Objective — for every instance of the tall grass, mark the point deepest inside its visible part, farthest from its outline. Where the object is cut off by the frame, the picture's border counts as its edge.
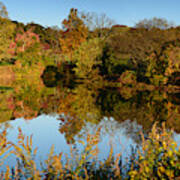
(158, 158)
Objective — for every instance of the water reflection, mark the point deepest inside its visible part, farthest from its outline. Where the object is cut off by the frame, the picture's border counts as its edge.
(112, 133)
(78, 108)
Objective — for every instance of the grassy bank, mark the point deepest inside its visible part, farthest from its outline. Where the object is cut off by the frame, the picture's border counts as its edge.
(158, 158)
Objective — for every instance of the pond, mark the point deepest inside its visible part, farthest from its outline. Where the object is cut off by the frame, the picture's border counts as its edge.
(64, 113)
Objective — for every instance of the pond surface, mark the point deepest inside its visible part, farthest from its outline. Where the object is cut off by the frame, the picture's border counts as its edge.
(63, 114)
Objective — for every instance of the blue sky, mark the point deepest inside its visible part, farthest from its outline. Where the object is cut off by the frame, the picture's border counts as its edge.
(128, 12)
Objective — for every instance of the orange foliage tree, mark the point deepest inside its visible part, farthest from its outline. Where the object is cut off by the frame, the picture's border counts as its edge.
(75, 32)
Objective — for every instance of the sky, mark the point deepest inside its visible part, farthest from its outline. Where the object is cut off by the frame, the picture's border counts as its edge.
(126, 12)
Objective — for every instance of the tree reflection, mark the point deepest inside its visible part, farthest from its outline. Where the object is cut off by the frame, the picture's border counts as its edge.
(79, 104)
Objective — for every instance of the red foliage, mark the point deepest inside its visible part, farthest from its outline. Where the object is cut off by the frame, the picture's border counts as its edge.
(119, 26)
(46, 46)
(23, 41)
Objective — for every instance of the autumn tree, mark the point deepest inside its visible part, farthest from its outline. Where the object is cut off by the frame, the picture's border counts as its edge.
(26, 47)
(25, 40)
(49, 36)
(131, 49)
(162, 67)
(75, 32)
(7, 29)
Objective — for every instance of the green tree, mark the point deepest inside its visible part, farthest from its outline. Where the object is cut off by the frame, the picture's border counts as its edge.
(88, 58)
(7, 29)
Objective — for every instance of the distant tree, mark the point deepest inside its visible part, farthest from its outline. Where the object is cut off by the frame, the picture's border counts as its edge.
(99, 25)
(95, 21)
(3, 11)
(154, 23)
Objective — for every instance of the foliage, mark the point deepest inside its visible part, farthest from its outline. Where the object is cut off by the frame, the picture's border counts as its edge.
(143, 107)
(158, 158)
(75, 32)
(5, 146)
(7, 29)
(26, 48)
(128, 78)
(25, 40)
(29, 96)
(96, 50)
(146, 52)
(87, 59)
(161, 67)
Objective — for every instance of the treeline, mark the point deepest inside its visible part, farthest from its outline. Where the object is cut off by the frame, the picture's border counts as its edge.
(92, 48)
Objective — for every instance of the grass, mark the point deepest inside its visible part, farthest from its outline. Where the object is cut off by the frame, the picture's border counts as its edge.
(158, 158)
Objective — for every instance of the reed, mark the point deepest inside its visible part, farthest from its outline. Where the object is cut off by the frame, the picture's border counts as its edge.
(157, 158)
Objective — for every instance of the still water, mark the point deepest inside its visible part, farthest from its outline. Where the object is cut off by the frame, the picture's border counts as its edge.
(65, 113)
